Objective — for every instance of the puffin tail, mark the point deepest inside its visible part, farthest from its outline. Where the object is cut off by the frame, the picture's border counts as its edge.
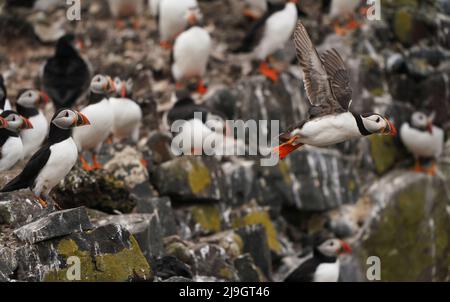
(285, 149)
(14, 185)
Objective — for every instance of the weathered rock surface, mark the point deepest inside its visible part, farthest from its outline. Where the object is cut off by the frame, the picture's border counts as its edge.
(163, 206)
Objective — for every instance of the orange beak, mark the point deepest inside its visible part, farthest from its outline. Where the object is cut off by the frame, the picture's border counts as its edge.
(285, 149)
(192, 19)
(3, 123)
(44, 97)
(250, 14)
(112, 86)
(345, 248)
(430, 127)
(392, 130)
(26, 124)
(82, 120)
(123, 91)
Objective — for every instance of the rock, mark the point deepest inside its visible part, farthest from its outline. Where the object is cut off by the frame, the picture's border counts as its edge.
(242, 183)
(144, 227)
(163, 206)
(108, 253)
(168, 267)
(190, 178)
(408, 228)
(8, 263)
(246, 269)
(206, 219)
(180, 249)
(55, 225)
(212, 261)
(178, 279)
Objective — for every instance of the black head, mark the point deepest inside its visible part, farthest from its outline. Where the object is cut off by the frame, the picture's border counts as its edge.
(65, 47)
(330, 247)
(15, 122)
(3, 92)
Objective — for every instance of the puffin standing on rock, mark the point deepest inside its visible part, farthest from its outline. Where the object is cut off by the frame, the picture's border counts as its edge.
(327, 85)
(10, 143)
(4, 102)
(101, 116)
(423, 140)
(191, 52)
(324, 265)
(127, 114)
(27, 105)
(54, 160)
(65, 77)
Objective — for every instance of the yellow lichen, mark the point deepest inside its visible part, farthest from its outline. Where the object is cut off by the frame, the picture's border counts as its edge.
(208, 217)
(198, 177)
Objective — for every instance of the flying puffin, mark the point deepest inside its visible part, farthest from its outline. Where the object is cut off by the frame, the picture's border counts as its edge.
(27, 105)
(271, 33)
(191, 52)
(10, 143)
(323, 265)
(127, 115)
(48, 166)
(65, 77)
(327, 86)
(172, 19)
(4, 102)
(423, 139)
(126, 9)
(101, 116)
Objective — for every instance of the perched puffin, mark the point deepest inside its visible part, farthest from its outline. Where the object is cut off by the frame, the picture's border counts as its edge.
(323, 265)
(54, 160)
(121, 9)
(327, 85)
(423, 140)
(271, 33)
(172, 19)
(191, 52)
(4, 102)
(65, 76)
(127, 115)
(27, 105)
(101, 116)
(343, 11)
(10, 143)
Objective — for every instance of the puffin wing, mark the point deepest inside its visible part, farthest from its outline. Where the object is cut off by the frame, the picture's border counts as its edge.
(316, 80)
(304, 272)
(338, 77)
(27, 177)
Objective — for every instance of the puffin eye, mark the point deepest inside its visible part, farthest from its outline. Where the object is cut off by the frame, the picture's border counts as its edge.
(378, 120)
(67, 114)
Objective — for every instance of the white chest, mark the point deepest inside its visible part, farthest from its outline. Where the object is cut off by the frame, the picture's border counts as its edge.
(422, 143)
(11, 153)
(327, 272)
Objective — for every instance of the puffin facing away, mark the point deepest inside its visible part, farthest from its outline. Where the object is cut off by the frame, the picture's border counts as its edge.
(323, 266)
(327, 85)
(191, 52)
(423, 140)
(172, 19)
(65, 76)
(11, 147)
(4, 102)
(27, 105)
(101, 116)
(127, 115)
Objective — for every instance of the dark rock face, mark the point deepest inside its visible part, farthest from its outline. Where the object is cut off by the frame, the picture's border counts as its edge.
(169, 267)
(247, 270)
(55, 225)
(163, 206)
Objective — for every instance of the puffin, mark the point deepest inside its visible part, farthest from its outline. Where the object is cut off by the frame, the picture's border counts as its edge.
(27, 105)
(50, 164)
(11, 147)
(101, 116)
(65, 77)
(270, 34)
(323, 265)
(127, 114)
(191, 52)
(255, 9)
(4, 102)
(172, 19)
(343, 11)
(126, 9)
(327, 85)
(422, 139)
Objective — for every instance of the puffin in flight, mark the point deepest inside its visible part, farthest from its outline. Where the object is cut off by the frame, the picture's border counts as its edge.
(191, 52)
(54, 160)
(423, 140)
(323, 265)
(65, 77)
(101, 116)
(270, 34)
(11, 147)
(27, 105)
(172, 19)
(4, 102)
(327, 86)
(127, 114)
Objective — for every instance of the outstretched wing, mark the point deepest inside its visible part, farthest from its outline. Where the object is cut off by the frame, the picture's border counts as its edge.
(316, 81)
(338, 77)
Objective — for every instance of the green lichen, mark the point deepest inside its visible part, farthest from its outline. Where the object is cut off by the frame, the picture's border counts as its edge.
(284, 169)
(403, 23)
(198, 177)
(125, 265)
(208, 217)
(384, 152)
(260, 217)
(377, 91)
(226, 273)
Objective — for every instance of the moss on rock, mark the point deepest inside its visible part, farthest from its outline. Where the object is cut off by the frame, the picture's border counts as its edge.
(208, 217)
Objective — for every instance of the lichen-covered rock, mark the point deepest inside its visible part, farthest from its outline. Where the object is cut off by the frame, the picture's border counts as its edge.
(108, 253)
(206, 218)
(246, 269)
(56, 224)
(212, 261)
(168, 267)
(163, 206)
(190, 178)
(145, 228)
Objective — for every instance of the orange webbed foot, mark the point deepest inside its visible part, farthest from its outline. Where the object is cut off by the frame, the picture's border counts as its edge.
(201, 87)
(268, 72)
(288, 147)
(42, 202)
(96, 164)
(165, 45)
(84, 164)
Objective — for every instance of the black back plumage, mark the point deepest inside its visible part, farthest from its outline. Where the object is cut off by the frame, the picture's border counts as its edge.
(3, 93)
(66, 75)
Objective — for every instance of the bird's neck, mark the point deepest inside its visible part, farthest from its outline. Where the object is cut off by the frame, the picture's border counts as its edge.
(359, 122)
(64, 49)
(8, 133)
(57, 135)
(27, 112)
(322, 258)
